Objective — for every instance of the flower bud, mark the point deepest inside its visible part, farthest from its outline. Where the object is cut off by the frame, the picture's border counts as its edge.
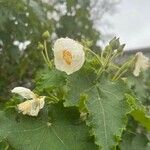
(107, 50)
(121, 47)
(40, 46)
(114, 43)
(46, 35)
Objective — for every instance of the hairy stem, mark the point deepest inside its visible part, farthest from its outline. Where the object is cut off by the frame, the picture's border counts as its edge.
(97, 57)
(45, 59)
(46, 54)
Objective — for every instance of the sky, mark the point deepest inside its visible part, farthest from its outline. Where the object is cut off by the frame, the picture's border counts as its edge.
(131, 23)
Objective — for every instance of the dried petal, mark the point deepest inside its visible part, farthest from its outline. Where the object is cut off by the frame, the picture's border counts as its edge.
(142, 63)
(24, 92)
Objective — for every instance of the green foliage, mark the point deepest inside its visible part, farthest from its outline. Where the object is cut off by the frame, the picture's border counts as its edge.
(27, 20)
(52, 84)
(103, 104)
(56, 128)
(107, 112)
(141, 116)
(50, 79)
(20, 20)
(77, 23)
(138, 112)
(92, 108)
(139, 88)
(4, 145)
(134, 142)
(77, 84)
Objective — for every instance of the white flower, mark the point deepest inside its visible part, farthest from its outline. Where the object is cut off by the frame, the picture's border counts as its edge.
(142, 63)
(69, 55)
(32, 105)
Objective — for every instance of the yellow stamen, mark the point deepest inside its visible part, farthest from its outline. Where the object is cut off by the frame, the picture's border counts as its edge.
(67, 56)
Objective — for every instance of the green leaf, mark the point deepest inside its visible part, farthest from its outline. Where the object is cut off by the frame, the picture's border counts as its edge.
(77, 84)
(139, 87)
(51, 83)
(58, 128)
(141, 116)
(4, 145)
(82, 104)
(138, 112)
(134, 142)
(107, 112)
(50, 79)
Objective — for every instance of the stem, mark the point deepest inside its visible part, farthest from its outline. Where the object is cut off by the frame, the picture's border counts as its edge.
(124, 71)
(113, 56)
(45, 59)
(120, 71)
(46, 54)
(114, 66)
(53, 97)
(102, 54)
(100, 62)
(104, 66)
(123, 68)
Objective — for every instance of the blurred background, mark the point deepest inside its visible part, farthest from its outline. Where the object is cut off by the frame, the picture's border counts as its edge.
(22, 23)
(131, 23)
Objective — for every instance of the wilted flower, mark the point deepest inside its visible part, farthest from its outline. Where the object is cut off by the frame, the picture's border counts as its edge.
(69, 55)
(142, 63)
(32, 105)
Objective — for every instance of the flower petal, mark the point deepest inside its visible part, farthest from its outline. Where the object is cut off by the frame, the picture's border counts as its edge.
(24, 92)
(25, 107)
(29, 107)
(41, 101)
(74, 50)
(142, 63)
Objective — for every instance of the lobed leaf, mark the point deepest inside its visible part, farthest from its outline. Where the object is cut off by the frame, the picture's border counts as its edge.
(139, 112)
(107, 112)
(60, 129)
(77, 84)
(50, 79)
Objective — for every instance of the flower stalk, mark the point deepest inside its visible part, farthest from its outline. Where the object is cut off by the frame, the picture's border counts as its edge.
(46, 55)
(108, 59)
(45, 58)
(96, 56)
(123, 69)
